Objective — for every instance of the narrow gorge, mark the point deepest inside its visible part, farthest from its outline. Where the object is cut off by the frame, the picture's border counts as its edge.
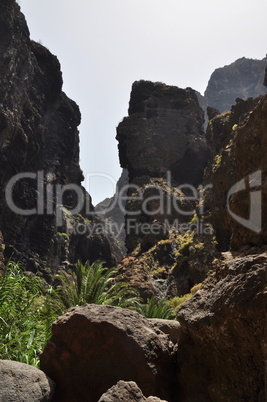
(193, 202)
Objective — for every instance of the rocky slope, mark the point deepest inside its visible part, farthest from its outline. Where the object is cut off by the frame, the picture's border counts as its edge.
(39, 138)
(240, 79)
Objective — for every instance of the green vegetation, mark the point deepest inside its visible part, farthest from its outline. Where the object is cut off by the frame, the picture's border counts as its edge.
(211, 129)
(186, 242)
(216, 162)
(177, 301)
(234, 127)
(25, 319)
(92, 284)
(28, 309)
(157, 309)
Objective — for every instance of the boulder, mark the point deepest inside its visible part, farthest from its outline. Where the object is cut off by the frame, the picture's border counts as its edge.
(222, 345)
(127, 391)
(23, 383)
(106, 344)
(169, 327)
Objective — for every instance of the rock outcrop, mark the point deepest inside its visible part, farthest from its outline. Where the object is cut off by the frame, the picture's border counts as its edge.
(222, 345)
(162, 144)
(21, 382)
(249, 201)
(127, 391)
(106, 344)
(224, 324)
(39, 158)
(164, 132)
(221, 172)
(265, 77)
(240, 79)
(112, 210)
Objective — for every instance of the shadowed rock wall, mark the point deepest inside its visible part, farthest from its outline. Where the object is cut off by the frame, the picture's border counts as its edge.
(38, 133)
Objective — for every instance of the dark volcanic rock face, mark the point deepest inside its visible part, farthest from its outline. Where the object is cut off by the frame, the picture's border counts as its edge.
(162, 144)
(39, 136)
(221, 171)
(222, 346)
(265, 77)
(249, 201)
(164, 131)
(241, 79)
(112, 210)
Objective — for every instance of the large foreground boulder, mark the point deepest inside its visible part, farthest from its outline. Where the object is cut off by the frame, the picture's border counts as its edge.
(127, 391)
(93, 347)
(222, 346)
(20, 382)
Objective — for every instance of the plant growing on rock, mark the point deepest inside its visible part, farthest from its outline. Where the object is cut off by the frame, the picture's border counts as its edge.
(157, 309)
(92, 284)
(177, 301)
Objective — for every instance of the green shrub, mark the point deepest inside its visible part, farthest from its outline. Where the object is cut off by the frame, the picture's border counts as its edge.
(157, 309)
(24, 324)
(177, 301)
(92, 284)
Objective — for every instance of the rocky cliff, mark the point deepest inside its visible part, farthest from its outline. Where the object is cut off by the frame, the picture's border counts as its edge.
(112, 210)
(39, 158)
(164, 132)
(216, 234)
(223, 325)
(221, 171)
(240, 79)
(163, 146)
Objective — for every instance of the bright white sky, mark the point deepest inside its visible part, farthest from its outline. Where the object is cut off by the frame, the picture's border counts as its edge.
(105, 45)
